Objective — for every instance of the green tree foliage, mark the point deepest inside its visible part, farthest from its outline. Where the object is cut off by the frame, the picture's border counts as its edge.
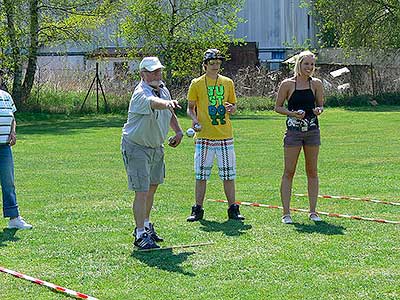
(179, 31)
(358, 23)
(25, 26)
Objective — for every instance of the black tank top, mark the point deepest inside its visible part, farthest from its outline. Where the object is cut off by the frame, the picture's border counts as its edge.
(304, 100)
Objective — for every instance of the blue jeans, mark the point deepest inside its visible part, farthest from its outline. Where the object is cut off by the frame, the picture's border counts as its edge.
(10, 206)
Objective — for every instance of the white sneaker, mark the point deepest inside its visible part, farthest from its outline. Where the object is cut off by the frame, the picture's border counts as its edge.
(287, 219)
(314, 217)
(18, 223)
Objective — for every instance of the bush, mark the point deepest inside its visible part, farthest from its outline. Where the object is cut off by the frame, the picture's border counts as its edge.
(362, 100)
(389, 99)
(344, 100)
(255, 103)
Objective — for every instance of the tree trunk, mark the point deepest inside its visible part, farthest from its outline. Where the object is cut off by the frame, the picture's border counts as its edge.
(168, 69)
(15, 51)
(33, 51)
(169, 46)
(22, 86)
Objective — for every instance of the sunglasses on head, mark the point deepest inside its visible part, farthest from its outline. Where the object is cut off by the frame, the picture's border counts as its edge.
(214, 62)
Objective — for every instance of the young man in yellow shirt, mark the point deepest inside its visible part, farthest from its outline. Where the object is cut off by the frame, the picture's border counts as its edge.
(212, 100)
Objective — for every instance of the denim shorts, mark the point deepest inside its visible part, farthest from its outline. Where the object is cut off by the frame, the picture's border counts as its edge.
(299, 138)
(143, 165)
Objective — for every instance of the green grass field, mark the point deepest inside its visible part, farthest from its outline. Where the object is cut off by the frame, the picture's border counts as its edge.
(71, 186)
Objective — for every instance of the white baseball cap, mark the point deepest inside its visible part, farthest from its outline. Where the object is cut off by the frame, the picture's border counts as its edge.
(150, 64)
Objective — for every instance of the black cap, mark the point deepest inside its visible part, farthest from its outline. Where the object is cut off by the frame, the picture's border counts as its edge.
(212, 54)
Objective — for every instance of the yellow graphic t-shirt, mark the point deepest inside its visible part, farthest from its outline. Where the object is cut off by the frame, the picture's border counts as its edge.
(210, 96)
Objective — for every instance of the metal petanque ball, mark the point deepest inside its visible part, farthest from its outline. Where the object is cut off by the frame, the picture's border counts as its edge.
(171, 141)
(197, 127)
(190, 132)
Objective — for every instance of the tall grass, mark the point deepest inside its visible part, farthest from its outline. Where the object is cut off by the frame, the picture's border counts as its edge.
(52, 100)
(48, 100)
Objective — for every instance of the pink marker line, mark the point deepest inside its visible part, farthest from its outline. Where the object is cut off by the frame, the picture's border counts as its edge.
(352, 198)
(47, 284)
(306, 211)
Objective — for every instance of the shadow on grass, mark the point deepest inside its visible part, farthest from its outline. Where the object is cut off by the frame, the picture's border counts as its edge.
(164, 260)
(8, 235)
(63, 124)
(229, 227)
(320, 227)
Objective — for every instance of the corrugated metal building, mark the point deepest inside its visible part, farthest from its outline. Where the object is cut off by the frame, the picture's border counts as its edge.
(274, 25)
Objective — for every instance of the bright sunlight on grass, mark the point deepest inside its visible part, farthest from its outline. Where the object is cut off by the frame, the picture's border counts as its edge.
(71, 185)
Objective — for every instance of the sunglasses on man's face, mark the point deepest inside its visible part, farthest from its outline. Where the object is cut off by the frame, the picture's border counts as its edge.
(214, 62)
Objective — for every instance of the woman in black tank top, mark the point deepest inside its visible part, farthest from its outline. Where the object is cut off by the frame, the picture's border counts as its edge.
(303, 100)
(304, 96)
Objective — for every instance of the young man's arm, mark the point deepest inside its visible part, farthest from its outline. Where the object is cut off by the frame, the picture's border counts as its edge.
(191, 112)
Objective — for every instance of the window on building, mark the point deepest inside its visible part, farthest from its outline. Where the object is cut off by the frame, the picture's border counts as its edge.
(278, 55)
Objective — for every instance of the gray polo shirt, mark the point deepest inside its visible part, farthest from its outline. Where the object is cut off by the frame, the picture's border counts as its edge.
(146, 126)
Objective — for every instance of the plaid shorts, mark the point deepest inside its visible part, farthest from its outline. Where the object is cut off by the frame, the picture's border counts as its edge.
(205, 152)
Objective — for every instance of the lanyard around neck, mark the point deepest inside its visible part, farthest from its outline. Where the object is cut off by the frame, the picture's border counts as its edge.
(215, 84)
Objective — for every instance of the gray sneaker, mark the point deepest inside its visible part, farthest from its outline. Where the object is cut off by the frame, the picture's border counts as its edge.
(18, 223)
(287, 219)
(314, 217)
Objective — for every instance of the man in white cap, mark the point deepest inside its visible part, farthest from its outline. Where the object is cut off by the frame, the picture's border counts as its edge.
(150, 114)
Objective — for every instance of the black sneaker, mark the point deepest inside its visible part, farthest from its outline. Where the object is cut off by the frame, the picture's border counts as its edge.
(145, 242)
(197, 213)
(234, 213)
(153, 234)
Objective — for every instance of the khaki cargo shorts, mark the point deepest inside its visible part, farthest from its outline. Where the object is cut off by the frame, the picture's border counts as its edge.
(143, 165)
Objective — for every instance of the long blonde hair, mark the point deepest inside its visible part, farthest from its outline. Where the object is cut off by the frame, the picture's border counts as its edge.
(299, 59)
